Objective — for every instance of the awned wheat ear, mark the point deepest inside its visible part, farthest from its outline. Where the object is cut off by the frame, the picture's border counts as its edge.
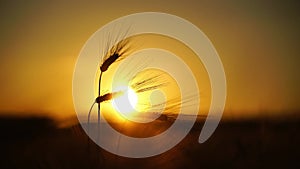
(117, 52)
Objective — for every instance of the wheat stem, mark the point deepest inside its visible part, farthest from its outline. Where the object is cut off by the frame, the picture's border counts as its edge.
(99, 94)
(89, 115)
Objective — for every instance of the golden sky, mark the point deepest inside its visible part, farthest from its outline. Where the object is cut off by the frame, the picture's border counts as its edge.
(256, 41)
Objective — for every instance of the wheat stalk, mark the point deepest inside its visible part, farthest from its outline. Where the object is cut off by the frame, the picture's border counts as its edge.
(117, 52)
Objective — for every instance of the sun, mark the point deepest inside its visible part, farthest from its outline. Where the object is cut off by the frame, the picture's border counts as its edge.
(126, 102)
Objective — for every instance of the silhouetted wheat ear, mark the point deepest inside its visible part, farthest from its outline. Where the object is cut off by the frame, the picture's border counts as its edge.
(108, 62)
(116, 52)
(108, 96)
(103, 98)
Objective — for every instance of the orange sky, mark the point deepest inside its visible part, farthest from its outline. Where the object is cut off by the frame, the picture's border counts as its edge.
(257, 42)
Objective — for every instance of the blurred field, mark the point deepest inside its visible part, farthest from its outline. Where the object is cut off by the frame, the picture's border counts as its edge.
(37, 143)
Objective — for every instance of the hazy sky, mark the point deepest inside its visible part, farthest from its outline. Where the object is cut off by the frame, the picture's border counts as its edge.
(258, 42)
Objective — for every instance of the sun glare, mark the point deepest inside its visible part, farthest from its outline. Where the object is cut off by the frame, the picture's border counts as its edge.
(132, 97)
(126, 103)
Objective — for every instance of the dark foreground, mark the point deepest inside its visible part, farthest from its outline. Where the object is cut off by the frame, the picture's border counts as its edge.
(37, 143)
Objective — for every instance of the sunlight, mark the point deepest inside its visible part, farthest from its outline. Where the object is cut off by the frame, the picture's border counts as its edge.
(126, 103)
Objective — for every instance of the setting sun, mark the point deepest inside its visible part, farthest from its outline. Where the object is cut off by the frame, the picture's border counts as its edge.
(126, 103)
